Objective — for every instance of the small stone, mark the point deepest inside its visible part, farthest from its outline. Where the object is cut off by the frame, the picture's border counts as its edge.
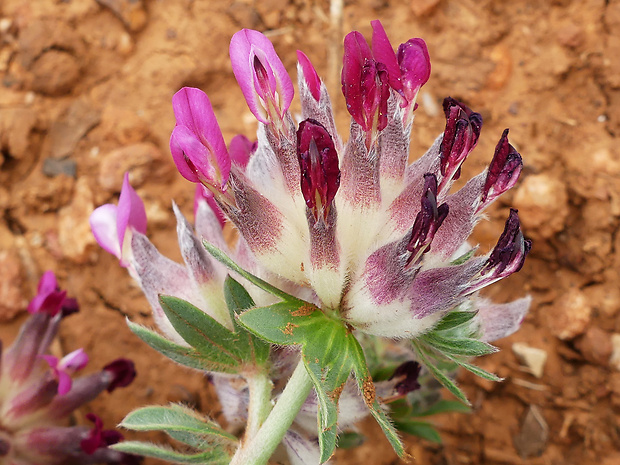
(532, 438)
(17, 126)
(595, 346)
(142, 161)
(571, 36)
(12, 300)
(570, 315)
(74, 234)
(55, 73)
(53, 167)
(532, 357)
(131, 12)
(65, 133)
(542, 202)
(244, 15)
(614, 360)
(423, 7)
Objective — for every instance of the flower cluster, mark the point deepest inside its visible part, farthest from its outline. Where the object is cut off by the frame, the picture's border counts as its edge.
(375, 244)
(38, 392)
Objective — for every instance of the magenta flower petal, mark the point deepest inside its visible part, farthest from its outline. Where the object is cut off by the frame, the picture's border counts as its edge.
(356, 53)
(103, 226)
(261, 75)
(130, 214)
(74, 361)
(197, 144)
(205, 195)
(384, 53)
(241, 149)
(310, 75)
(415, 67)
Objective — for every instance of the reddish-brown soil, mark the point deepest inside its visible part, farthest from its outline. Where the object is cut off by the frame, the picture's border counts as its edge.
(85, 95)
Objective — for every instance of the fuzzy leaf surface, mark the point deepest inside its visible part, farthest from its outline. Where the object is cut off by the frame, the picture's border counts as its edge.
(181, 423)
(217, 456)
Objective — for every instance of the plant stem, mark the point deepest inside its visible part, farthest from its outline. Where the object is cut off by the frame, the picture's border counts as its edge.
(261, 446)
(260, 386)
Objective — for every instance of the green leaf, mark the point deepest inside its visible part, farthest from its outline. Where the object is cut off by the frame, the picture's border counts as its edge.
(454, 319)
(181, 423)
(350, 440)
(444, 380)
(443, 406)
(238, 300)
(220, 256)
(330, 353)
(421, 429)
(458, 346)
(217, 456)
(463, 258)
(184, 355)
(212, 340)
(476, 370)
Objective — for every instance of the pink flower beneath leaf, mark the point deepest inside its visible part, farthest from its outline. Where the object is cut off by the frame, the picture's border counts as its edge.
(196, 143)
(266, 86)
(113, 225)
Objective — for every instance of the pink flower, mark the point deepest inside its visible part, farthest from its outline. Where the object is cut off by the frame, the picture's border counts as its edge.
(66, 367)
(196, 143)
(266, 86)
(113, 225)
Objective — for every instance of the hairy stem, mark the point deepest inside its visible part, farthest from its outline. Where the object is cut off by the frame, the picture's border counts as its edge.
(258, 449)
(260, 402)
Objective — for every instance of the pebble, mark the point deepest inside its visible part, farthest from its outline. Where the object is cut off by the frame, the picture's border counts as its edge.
(595, 346)
(74, 234)
(532, 357)
(542, 202)
(53, 167)
(12, 300)
(532, 438)
(131, 12)
(66, 132)
(570, 315)
(141, 160)
(55, 73)
(614, 360)
(423, 7)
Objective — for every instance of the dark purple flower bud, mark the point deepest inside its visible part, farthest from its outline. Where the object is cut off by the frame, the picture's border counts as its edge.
(98, 437)
(408, 372)
(509, 254)
(124, 372)
(427, 222)
(459, 138)
(318, 161)
(69, 306)
(503, 172)
(364, 84)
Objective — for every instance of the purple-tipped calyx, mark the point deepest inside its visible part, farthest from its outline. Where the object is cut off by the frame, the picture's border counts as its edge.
(196, 143)
(459, 139)
(266, 86)
(318, 161)
(503, 172)
(123, 371)
(409, 69)
(509, 254)
(310, 75)
(51, 299)
(67, 366)
(427, 221)
(364, 84)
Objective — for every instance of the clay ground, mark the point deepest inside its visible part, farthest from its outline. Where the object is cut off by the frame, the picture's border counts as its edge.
(85, 95)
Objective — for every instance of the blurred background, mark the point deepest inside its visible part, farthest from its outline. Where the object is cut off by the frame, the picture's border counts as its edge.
(85, 96)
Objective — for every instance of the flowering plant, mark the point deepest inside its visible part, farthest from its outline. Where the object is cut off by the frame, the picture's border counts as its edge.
(38, 393)
(353, 262)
